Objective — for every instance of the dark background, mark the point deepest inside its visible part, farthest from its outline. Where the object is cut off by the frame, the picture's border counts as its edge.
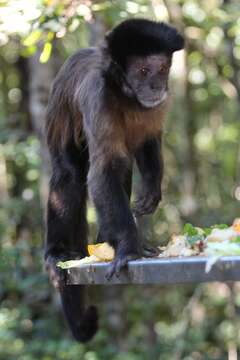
(201, 183)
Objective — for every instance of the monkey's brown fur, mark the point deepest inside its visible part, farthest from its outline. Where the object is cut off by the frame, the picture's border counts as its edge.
(104, 112)
(121, 136)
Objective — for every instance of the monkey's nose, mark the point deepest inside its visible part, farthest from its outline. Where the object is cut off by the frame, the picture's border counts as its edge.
(155, 86)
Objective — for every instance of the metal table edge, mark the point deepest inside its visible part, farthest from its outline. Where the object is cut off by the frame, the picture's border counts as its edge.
(162, 271)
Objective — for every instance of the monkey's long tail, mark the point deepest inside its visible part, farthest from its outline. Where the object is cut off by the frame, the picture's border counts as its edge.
(83, 322)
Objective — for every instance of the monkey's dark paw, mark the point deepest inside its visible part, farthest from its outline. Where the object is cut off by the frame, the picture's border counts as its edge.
(119, 263)
(149, 251)
(55, 274)
(147, 203)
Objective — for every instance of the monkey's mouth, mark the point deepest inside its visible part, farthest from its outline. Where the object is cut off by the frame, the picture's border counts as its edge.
(154, 102)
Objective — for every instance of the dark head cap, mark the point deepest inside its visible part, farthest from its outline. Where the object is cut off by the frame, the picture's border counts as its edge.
(142, 37)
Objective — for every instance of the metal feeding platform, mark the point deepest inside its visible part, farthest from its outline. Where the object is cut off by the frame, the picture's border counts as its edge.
(161, 271)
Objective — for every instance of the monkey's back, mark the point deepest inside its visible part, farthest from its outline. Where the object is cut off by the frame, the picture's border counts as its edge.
(64, 117)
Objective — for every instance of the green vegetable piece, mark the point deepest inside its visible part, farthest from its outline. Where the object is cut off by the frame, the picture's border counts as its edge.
(236, 239)
(189, 230)
(220, 226)
(67, 264)
(192, 240)
(207, 231)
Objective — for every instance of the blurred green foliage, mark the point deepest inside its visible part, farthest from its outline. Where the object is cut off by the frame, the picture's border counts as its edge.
(201, 185)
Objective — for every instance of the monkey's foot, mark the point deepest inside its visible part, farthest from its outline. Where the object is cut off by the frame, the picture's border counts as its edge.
(55, 274)
(119, 263)
(149, 251)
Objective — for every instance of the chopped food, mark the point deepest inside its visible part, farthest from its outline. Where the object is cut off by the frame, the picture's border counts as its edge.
(178, 247)
(221, 235)
(236, 225)
(75, 263)
(98, 253)
(216, 241)
(222, 249)
(102, 251)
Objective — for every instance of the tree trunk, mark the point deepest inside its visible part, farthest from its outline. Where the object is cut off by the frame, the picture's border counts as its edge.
(40, 80)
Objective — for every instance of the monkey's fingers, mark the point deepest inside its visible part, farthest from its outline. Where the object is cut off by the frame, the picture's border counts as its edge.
(145, 205)
(56, 275)
(149, 251)
(118, 264)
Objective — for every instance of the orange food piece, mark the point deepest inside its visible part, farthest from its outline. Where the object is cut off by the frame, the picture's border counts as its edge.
(92, 248)
(237, 228)
(236, 225)
(103, 251)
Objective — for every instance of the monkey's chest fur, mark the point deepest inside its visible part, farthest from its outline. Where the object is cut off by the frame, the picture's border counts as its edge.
(130, 129)
(138, 126)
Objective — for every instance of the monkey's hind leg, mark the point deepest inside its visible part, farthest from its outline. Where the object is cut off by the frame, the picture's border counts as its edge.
(67, 239)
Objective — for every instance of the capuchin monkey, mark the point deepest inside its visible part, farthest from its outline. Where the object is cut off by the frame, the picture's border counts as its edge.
(105, 110)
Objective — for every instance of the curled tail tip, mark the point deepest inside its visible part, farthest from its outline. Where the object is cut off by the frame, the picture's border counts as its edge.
(88, 326)
(82, 323)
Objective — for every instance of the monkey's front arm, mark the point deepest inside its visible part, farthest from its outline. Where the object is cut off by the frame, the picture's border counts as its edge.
(150, 163)
(116, 222)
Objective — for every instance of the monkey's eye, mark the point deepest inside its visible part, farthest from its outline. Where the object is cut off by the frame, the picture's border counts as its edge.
(163, 68)
(144, 71)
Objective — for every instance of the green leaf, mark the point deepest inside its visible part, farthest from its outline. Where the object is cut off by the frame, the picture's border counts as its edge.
(236, 239)
(46, 53)
(28, 51)
(190, 230)
(33, 38)
(220, 226)
(50, 36)
(207, 231)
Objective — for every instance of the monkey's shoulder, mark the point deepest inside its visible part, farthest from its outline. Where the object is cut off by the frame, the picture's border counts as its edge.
(76, 67)
(83, 58)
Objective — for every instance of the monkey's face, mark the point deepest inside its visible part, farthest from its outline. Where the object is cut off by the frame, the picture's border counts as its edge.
(148, 78)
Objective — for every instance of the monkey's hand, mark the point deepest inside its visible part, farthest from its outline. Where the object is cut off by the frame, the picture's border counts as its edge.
(149, 251)
(147, 202)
